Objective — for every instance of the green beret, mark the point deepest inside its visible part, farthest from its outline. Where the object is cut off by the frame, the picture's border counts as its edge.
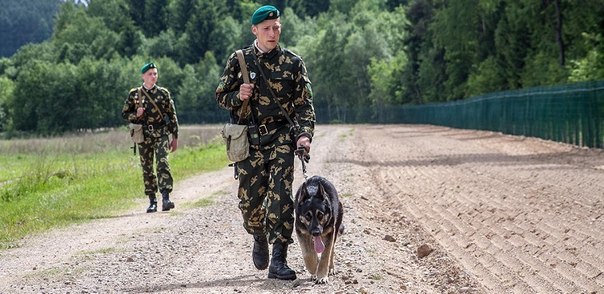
(147, 66)
(263, 13)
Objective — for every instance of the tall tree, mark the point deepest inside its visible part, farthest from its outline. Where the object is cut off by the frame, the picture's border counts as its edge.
(455, 30)
(308, 8)
(558, 29)
(23, 22)
(330, 79)
(584, 30)
(155, 17)
(419, 14)
(75, 43)
(43, 98)
(201, 27)
(180, 14)
(6, 92)
(112, 14)
(513, 41)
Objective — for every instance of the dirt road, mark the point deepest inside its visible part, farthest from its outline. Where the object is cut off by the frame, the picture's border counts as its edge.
(500, 213)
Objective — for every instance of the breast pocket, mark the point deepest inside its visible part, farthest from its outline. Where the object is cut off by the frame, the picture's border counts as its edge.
(283, 85)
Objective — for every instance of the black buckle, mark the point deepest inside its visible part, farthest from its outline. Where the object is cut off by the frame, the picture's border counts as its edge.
(262, 130)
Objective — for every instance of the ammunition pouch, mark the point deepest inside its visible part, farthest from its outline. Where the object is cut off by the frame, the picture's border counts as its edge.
(136, 133)
(254, 133)
(236, 139)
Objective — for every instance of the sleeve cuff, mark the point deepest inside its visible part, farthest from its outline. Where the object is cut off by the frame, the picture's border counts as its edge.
(236, 101)
(304, 134)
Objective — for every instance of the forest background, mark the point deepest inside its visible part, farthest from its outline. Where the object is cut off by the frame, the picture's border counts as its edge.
(68, 65)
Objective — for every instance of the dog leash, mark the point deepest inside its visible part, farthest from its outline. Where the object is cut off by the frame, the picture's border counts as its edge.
(304, 158)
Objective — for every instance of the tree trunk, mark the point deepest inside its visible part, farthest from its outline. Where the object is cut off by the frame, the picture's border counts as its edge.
(559, 32)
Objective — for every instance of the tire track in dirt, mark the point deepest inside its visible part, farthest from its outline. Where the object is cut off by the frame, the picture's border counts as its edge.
(381, 219)
(515, 234)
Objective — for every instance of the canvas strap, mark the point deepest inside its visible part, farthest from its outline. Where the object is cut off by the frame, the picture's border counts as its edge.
(246, 79)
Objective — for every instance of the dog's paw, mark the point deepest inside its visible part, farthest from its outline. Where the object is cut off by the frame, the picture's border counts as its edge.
(322, 280)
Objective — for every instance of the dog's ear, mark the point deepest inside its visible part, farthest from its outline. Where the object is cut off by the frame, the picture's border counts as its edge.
(303, 193)
(325, 198)
(322, 193)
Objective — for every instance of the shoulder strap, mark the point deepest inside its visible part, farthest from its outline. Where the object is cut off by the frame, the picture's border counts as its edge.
(153, 102)
(246, 79)
(244, 73)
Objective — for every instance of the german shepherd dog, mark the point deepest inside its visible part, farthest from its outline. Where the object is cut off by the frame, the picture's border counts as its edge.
(318, 222)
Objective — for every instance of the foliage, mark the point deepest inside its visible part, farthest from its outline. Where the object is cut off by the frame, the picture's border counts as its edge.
(485, 77)
(455, 52)
(361, 55)
(6, 91)
(591, 66)
(23, 22)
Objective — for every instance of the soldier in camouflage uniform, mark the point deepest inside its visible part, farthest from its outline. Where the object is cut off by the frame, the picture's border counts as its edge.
(159, 121)
(266, 176)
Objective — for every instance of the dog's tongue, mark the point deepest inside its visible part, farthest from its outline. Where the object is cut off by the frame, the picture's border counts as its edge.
(319, 246)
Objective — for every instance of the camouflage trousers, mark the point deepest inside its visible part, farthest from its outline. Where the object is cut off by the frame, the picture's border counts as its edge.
(155, 148)
(265, 192)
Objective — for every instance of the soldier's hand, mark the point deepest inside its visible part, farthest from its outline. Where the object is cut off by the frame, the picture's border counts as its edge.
(245, 91)
(140, 111)
(304, 142)
(302, 154)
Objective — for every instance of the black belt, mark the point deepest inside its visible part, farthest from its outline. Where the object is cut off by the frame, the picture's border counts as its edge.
(264, 129)
(152, 127)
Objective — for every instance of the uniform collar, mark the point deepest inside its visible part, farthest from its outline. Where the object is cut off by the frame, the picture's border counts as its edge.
(262, 54)
(258, 50)
(149, 89)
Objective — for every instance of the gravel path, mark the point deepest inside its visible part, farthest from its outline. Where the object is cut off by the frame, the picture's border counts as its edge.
(427, 210)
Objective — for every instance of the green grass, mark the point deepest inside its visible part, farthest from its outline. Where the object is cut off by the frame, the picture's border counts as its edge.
(56, 188)
(345, 195)
(202, 202)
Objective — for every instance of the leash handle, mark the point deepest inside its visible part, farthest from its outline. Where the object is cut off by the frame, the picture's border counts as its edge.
(304, 158)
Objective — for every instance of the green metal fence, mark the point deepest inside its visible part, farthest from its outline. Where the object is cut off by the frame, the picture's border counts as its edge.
(572, 114)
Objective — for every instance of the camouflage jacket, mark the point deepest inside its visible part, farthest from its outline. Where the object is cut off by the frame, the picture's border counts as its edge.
(164, 101)
(287, 76)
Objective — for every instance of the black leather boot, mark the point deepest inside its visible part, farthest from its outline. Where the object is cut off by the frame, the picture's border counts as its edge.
(152, 204)
(260, 251)
(278, 268)
(166, 204)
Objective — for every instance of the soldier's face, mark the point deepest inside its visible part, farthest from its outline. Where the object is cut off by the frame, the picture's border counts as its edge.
(150, 76)
(267, 33)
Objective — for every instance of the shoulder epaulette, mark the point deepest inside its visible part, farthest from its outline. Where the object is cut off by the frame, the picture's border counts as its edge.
(289, 52)
(165, 90)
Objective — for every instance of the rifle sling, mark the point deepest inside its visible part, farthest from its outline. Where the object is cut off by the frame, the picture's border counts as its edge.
(153, 102)
(246, 79)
